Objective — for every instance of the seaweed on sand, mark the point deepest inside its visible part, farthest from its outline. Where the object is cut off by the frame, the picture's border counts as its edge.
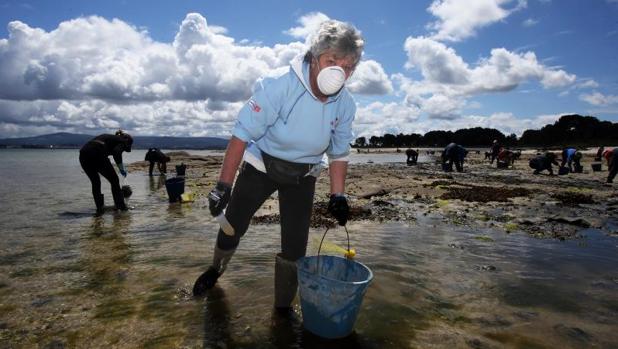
(573, 199)
(483, 193)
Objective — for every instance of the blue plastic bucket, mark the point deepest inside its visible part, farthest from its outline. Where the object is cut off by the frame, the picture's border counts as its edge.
(331, 297)
(175, 187)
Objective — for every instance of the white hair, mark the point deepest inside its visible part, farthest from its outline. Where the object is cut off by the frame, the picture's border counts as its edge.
(340, 37)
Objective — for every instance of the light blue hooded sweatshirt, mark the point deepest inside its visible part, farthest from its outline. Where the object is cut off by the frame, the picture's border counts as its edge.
(284, 119)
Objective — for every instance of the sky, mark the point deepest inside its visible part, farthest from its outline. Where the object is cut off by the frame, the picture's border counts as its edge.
(185, 68)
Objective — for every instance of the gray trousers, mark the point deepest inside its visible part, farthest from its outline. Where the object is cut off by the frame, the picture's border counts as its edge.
(251, 189)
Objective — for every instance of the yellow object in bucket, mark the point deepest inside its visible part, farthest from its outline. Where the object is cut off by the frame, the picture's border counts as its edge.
(336, 249)
(349, 254)
(187, 197)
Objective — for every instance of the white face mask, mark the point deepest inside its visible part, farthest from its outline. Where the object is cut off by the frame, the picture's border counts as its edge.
(330, 80)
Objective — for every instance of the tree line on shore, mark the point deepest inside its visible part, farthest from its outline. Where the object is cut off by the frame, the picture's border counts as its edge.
(569, 130)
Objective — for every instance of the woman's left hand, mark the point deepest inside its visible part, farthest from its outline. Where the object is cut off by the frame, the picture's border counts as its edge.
(338, 207)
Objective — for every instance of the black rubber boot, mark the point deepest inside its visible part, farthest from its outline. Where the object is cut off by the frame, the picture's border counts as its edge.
(286, 283)
(119, 201)
(99, 201)
(209, 278)
(205, 282)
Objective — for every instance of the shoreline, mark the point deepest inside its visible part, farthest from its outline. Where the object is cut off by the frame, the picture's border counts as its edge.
(512, 200)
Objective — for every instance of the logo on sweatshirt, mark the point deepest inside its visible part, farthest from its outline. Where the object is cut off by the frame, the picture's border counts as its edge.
(333, 125)
(254, 106)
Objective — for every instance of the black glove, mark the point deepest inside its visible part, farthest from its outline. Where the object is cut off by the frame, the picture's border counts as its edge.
(218, 198)
(338, 207)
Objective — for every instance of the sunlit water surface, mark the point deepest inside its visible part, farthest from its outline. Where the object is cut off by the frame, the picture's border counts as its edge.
(69, 279)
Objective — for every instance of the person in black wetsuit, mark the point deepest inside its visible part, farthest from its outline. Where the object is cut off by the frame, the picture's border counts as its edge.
(454, 153)
(156, 155)
(411, 157)
(543, 162)
(93, 157)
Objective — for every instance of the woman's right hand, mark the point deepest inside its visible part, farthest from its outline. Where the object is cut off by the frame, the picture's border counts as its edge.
(218, 198)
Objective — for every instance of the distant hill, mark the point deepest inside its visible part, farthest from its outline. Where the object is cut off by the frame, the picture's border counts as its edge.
(72, 140)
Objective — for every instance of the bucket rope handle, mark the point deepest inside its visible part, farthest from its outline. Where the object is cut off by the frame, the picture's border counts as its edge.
(323, 236)
(317, 268)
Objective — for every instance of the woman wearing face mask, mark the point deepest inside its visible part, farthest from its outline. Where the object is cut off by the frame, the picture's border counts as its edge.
(280, 137)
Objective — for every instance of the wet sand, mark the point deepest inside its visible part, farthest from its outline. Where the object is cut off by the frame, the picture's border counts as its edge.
(513, 199)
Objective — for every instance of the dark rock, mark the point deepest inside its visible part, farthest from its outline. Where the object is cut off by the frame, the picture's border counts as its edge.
(381, 203)
(572, 221)
(496, 321)
(41, 301)
(526, 315)
(575, 333)
(55, 344)
(379, 192)
(476, 344)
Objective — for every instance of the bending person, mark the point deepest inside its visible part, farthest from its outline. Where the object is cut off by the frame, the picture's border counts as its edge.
(570, 155)
(284, 130)
(155, 155)
(93, 157)
(454, 153)
(543, 162)
(412, 156)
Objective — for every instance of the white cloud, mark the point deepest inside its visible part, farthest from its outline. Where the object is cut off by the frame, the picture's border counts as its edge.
(369, 78)
(530, 22)
(448, 78)
(114, 71)
(437, 62)
(458, 20)
(173, 118)
(378, 118)
(309, 24)
(588, 83)
(599, 99)
(502, 71)
(439, 106)
(96, 58)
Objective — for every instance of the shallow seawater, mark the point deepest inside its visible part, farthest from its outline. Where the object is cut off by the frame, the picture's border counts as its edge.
(69, 279)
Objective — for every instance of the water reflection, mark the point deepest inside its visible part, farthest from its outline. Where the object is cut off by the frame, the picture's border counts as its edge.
(156, 182)
(106, 258)
(217, 333)
(286, 331)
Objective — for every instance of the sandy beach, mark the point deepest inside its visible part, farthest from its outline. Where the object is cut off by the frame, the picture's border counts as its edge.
(512, 199)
